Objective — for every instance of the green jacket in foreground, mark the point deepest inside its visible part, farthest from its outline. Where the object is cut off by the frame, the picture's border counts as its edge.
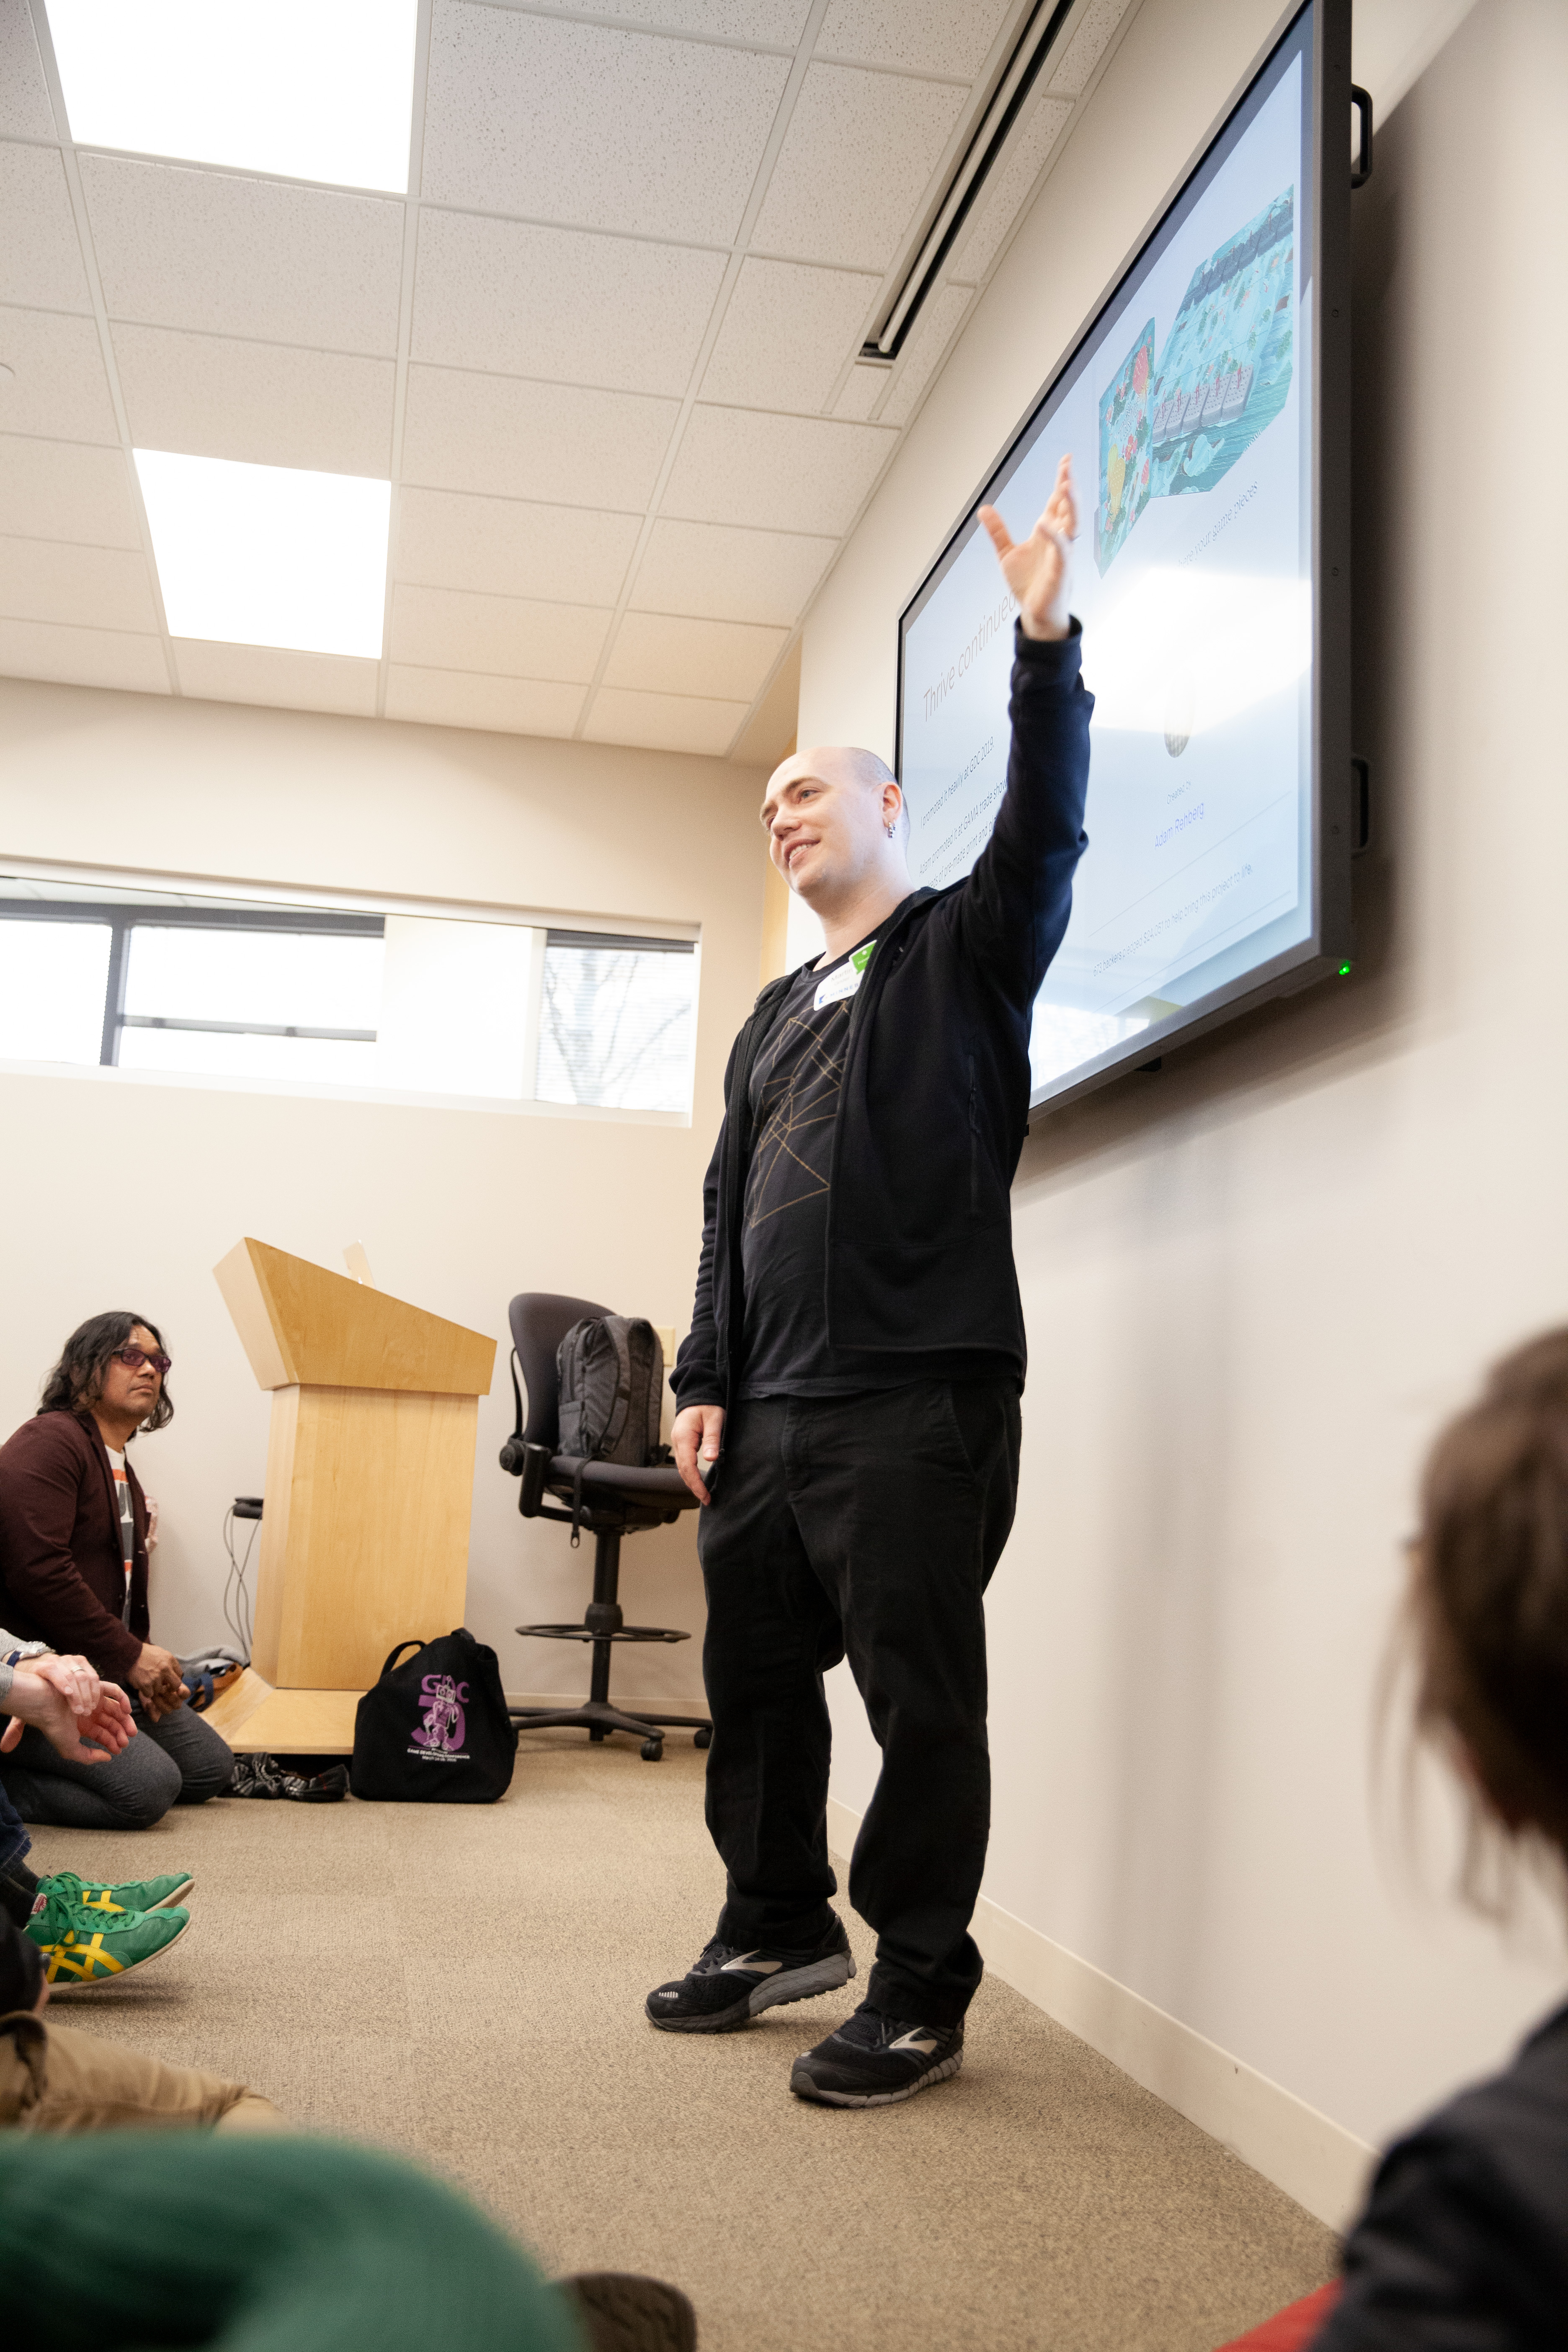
(271, 2245)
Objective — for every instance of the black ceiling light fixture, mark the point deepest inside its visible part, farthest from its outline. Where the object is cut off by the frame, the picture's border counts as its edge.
(1030, 50)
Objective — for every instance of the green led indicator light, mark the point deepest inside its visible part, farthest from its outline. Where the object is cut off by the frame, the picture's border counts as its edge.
(1345, 971)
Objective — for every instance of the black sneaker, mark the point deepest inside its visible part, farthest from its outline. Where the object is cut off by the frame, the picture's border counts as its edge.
(874, 2061)
(728, 1987)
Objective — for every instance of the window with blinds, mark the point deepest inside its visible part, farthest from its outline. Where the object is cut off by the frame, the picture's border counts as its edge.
(617, 1023)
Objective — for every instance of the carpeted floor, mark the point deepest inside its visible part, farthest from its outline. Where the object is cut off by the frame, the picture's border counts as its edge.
(466, 1984)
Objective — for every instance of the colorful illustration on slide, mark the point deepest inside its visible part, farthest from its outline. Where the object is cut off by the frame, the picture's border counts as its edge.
(1124, 449)
(1221, 380)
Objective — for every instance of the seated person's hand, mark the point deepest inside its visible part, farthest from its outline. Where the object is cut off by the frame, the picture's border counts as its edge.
(155, 1679)
(34, 1698)
(72, 1677)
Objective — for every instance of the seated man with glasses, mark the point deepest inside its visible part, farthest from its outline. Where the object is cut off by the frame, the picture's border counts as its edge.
(73, 1574)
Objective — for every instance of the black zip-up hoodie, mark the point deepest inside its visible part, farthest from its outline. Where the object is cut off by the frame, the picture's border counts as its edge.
(934, 1104)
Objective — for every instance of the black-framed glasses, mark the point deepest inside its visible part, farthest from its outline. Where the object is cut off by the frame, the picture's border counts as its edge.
(133, 1358)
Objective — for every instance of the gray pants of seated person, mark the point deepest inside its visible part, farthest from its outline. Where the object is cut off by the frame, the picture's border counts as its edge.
(179, 1761)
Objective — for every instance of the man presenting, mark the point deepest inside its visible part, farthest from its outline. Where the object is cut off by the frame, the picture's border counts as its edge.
(856, 1358)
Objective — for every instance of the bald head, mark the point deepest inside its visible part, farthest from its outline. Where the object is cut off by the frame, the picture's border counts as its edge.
(836, 829)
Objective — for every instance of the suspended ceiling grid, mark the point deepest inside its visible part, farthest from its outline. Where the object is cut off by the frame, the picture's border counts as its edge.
(606, 351)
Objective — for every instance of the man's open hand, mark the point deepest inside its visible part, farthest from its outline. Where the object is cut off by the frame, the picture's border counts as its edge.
(35, 1698)
(698, 1434)
(1037, 568)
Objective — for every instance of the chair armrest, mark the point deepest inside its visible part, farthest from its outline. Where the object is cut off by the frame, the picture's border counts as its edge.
(618, 1480)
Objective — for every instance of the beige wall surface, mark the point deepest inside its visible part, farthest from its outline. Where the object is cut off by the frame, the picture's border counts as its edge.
(1254, 1283)
(126, 1191)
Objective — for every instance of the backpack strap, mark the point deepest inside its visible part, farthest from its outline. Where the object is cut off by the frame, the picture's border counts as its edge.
(615, 1324)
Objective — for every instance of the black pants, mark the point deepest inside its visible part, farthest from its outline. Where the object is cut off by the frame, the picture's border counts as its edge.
(865, 1527)
(178, 1761)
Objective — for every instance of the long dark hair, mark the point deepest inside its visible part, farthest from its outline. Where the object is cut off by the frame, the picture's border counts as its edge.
(1489, 1597)
(77, 1381)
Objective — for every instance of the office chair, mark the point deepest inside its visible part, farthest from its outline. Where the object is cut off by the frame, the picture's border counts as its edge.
(617, 1501)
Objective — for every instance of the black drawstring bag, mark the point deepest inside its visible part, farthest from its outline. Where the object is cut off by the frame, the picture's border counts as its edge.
(435, 1730)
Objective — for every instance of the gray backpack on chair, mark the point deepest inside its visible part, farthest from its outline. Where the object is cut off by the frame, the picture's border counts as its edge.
(611, 1376)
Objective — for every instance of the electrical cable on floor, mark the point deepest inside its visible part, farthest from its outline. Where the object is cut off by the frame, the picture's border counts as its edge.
(236, 1606)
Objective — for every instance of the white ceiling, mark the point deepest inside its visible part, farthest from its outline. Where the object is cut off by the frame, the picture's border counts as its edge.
(606, 351)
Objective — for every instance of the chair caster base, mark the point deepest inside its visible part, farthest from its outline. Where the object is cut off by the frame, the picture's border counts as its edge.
(703, 1736)
(652, 1751)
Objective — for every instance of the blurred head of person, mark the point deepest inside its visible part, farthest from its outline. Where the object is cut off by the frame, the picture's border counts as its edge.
(1488, 1601)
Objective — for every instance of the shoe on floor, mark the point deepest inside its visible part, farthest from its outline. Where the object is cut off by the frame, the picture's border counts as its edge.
(88, 1948)
(623, 2313)
(874, 2061)
(135, 1894)
(728, 1987)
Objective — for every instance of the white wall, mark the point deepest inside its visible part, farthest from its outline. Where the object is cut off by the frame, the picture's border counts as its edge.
(1256, 1281)
(123, 1191)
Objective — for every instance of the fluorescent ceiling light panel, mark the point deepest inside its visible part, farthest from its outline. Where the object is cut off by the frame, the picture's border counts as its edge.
(264, 555)
(312, 89)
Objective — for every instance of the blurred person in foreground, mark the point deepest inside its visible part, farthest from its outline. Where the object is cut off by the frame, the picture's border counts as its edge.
(1463, 2246)
(75, 1530)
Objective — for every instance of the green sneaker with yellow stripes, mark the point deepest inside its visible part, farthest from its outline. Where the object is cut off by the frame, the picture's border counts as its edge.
(90, 1948)
(134, 1895)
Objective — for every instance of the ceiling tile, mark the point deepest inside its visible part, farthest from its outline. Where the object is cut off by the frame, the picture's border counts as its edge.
(45, 649)
(181, 247)
(25, 108)
(1095, 25)
(40, 254)
(663, 722)
(1009, 189)
(62, 490)
(924, 352)
(542, 441)
(786, 333)
(94, 587)
(856, 160)
(293, 681)
(553, 302)
(509, 548)
(780, 473)
(717, 660)
(510, 636)
(59, 387)
(781, 22)
(267, 404)
(506, 706)
(713, 571)
(921, 35)
(863, 388)
(588, 123)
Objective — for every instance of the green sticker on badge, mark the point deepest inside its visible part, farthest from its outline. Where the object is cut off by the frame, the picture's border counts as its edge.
(862, 956)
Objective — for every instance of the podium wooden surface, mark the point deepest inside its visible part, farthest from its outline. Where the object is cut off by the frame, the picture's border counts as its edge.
(370, 1474)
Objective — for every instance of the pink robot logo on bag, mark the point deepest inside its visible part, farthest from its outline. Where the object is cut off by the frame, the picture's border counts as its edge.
(441, 1734)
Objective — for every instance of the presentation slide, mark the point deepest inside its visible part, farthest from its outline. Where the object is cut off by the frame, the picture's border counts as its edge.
(1185, 415)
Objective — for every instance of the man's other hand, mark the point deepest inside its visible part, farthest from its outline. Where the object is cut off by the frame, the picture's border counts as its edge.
(1037, 568)
(699, 1432)
(155, 1679)
(35, 1699)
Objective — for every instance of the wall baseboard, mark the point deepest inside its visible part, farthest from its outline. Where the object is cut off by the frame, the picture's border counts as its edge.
(1314, 2160)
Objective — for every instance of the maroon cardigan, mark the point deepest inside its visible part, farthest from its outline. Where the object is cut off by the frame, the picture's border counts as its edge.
(62, 1572)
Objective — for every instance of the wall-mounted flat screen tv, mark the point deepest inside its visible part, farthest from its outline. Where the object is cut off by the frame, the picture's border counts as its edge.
(1206, 406)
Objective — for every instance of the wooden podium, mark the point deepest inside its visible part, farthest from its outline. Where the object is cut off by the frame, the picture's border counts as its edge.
(370, 1476)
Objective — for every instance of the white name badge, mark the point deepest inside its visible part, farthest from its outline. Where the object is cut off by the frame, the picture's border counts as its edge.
(845, 981)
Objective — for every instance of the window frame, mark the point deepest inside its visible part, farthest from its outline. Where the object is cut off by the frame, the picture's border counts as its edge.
(121, 918)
